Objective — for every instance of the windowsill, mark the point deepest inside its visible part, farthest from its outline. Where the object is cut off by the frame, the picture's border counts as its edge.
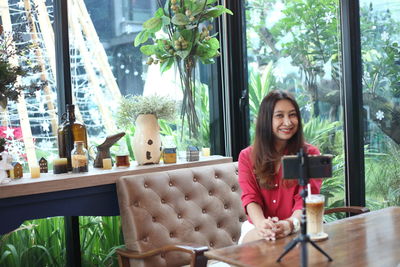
(49, 182)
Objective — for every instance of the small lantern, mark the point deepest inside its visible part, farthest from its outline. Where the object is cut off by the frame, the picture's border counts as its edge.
(17, 171)
(192, 153)
(169, 155)
(43, 165)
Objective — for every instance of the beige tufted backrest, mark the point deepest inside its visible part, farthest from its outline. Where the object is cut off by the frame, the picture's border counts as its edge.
(199, 206)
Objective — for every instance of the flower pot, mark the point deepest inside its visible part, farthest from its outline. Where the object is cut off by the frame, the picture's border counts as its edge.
(147, 140)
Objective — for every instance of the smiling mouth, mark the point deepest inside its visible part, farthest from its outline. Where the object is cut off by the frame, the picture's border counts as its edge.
(286, 131)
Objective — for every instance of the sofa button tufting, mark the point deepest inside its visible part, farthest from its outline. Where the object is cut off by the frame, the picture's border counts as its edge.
(233, 188)
(226, 206)
(153, 219)
(171, 184)
(194, 179)
(218, 225)
(203, 210)
(196, 228)
(136, 204)
(216, 177)
(211, 244)
(146, 185)
(171, 235)
(210, 193)
(186, 198)
(145, 239)
(233, 239)
(179, 216)
(163, 201)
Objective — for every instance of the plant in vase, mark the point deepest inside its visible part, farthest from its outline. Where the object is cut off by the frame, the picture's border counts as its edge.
(180, 31)
(145, 112)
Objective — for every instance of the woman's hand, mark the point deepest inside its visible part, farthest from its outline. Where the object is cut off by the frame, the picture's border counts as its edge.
(283, 228)
(266, 228)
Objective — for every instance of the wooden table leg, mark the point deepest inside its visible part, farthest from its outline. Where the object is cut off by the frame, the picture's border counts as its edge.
(73, 246)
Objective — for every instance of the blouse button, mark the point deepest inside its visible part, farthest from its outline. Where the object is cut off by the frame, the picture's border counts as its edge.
(274, 201)
(276, 185)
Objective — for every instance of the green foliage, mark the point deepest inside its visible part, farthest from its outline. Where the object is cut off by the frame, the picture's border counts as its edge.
(42, 242)
(260, 85)
(178, 39)
(132, 106)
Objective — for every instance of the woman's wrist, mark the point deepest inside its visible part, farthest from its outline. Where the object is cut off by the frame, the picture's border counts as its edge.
(291, 226)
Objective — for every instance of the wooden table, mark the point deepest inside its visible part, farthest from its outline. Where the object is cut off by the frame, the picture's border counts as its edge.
(370, 239)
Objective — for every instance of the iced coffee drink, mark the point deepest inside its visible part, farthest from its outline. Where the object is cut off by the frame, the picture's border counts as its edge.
(315, 215)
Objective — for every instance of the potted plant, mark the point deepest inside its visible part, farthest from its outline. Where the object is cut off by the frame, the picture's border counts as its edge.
(145, 112)
(181, 35)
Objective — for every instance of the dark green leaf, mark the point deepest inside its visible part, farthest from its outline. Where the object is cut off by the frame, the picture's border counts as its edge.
(153, 24)
(142, 37)
(213, 43)
(148, 50)
(216, 12)
(183, 53)
(159, 13)
(180, 19)
(209, 2)
(166, 65)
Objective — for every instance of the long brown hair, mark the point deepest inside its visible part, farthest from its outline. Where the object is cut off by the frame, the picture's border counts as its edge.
(264, 153)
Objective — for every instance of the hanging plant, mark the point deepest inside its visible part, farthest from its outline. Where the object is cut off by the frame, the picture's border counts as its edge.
(181, 35)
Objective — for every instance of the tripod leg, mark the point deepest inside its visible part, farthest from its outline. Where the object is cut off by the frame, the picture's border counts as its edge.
(320, 250)
(289, 247)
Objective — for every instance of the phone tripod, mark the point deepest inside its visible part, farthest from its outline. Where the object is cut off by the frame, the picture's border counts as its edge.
(303, 238)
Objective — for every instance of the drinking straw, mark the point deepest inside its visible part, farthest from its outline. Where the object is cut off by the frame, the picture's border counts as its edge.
(309, 189)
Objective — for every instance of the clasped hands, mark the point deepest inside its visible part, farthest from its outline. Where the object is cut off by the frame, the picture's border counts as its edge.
(273, 228)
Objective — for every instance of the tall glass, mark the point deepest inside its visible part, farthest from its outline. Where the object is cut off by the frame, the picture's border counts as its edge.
(315, 215)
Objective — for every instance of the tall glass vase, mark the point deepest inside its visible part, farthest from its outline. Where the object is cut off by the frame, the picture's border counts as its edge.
(147, 141)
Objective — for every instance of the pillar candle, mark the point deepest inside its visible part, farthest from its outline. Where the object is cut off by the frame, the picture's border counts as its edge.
(35, 171)
(60, 165)
(107, 164)
(206, 151)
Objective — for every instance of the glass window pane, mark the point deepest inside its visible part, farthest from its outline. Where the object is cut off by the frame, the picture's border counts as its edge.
(105, 67)
(29, 124)
(380, 40)
(295, 46)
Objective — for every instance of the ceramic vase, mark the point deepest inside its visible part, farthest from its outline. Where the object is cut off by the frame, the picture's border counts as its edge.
(147, 140)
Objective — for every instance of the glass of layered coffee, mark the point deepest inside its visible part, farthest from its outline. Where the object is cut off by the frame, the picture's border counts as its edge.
(315, 216)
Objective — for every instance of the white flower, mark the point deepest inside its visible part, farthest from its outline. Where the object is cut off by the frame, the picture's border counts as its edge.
(380, 115)
(122, 66)
(308, 107)
(9, 132)
(385, 36)
(45, 126)
(328, 17)
(279, 73)
(127, 71)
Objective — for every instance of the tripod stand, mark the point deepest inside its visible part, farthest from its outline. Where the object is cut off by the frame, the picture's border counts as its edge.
(303, 238)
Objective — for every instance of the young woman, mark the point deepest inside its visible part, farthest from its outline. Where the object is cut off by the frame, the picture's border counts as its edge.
(272, 204)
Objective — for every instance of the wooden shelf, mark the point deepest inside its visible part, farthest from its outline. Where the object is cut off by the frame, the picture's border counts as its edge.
(49, 182)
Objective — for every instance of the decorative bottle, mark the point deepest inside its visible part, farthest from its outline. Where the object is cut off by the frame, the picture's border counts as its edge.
(79, 158)
(69, 131)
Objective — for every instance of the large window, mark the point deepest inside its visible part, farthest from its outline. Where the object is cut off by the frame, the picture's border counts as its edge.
(380, 42)
(295, 46)
(30, 124)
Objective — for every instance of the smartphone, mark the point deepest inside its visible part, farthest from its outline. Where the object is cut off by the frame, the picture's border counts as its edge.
(317, 167)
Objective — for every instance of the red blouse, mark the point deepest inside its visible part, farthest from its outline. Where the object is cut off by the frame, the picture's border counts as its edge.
(279, 201)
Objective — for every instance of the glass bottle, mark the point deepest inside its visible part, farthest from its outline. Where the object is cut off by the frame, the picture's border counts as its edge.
(69, 131)
(79, 158)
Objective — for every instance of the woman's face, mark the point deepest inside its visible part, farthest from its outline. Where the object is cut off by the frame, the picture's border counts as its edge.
(284, 120)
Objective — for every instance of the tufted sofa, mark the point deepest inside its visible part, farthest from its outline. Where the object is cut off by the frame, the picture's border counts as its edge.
(170, 218)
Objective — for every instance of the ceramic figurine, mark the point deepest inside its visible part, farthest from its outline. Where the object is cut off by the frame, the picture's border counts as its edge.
(5, 165)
